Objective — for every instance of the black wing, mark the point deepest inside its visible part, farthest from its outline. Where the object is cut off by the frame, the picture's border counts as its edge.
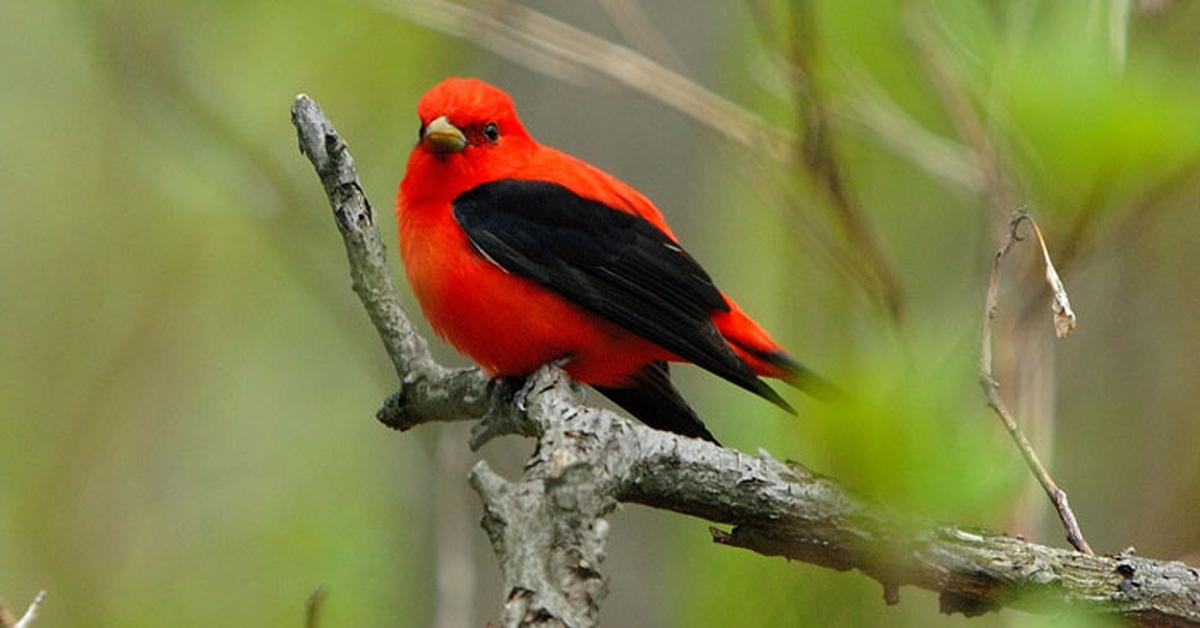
(610, 262)
(654, 400)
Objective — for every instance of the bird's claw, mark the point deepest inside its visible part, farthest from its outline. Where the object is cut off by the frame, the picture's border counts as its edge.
(522, 394)
(506, 388)
(513, 390)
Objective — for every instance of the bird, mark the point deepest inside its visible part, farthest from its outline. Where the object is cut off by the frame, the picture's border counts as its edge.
(521, 255)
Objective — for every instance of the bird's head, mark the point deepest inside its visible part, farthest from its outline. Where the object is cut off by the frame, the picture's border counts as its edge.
(469, 132)
(461, 114)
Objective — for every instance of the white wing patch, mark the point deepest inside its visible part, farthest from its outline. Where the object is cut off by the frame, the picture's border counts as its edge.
(479, 249)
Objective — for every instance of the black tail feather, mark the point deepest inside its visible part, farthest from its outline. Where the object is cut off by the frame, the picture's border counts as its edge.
(655, 401)
(801, 377)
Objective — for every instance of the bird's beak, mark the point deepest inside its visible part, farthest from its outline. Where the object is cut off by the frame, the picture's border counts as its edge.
(442, 137)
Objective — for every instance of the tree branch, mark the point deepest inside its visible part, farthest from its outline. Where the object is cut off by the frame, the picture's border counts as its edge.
(548, 529)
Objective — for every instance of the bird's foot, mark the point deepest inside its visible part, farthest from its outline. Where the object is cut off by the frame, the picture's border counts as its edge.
(508, 389)
(522, 387)
(504, 394)
(522, 394)
(511, 390)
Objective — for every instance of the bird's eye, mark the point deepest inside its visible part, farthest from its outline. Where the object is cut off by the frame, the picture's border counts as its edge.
(491, 132)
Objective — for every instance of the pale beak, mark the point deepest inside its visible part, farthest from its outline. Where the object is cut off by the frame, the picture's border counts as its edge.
(442, 137)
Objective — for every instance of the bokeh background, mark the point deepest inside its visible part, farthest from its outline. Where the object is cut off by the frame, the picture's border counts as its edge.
(187, 383)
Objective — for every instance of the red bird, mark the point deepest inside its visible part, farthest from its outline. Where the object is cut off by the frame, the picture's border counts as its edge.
(521, 255)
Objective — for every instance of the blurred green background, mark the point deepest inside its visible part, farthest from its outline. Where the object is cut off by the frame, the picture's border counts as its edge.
(187, 383)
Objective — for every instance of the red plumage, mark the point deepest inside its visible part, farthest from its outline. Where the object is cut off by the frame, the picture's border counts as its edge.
(506, 321)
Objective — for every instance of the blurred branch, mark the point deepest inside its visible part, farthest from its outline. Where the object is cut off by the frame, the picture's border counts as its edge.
(1064, 322)
(635, 25)
(312, 610)
(26, 620)
(548, 529)
(1084, 238)
(144, 62)
(947, 84)
(898, 132)
(823, 165)
(547, 45)
(1118, 31)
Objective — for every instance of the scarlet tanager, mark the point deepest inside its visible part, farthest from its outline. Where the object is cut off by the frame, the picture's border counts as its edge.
(521, 255)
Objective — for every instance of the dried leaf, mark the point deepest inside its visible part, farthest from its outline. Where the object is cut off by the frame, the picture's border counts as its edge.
(1064, 316)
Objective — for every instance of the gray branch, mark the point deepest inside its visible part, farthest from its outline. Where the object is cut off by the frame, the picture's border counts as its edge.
(548, 529)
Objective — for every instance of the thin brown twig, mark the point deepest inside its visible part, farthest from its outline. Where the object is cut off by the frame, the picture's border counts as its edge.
(312, 611)
(991, 389)
(947, 80)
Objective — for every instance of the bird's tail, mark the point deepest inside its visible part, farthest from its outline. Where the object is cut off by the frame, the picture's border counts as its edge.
(766, 357)
(786, 368)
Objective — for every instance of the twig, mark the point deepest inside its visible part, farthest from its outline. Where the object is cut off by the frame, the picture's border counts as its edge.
(548, 529)
(793, 48)
(991, 387)
(31, 614)
(312, 611)
(947, 83)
